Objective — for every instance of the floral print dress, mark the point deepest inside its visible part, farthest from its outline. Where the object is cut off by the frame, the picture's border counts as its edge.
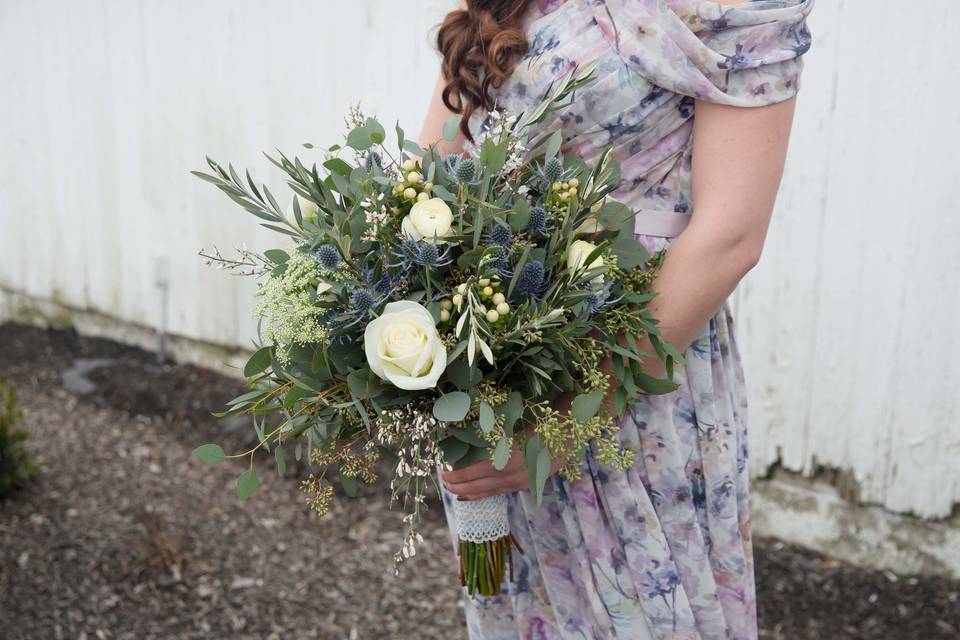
(662, 550)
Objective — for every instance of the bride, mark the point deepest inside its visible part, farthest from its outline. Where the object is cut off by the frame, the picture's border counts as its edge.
(696, 98)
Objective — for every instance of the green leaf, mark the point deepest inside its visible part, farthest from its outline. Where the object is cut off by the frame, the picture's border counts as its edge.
(630, 253)
(501, 455)
(487, 417)
(349, 485)
(452, 407)
(553, 144)
(337, 165)
(276, 256)
(247, 484)
(281, 459)
(450, 127)
(468, 435)
(210, 453)
(473, 455)
(363, 385)
(537, 460)
(453, 449)
(258, 362)
(655, 386)
(520, 216)
(377, 134)
(586, 405)
(511, 410)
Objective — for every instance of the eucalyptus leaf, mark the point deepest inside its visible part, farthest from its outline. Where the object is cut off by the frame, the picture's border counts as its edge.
(487, 417)
(452, 407)
(501, 455)
(450, 127)
(586, 406)
(210, 453)
(247, 484)
(259, 362)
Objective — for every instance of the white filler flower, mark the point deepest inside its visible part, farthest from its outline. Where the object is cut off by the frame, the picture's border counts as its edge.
(404, 348)
(427, 219)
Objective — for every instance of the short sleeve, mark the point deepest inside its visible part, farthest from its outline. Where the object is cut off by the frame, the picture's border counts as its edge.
(746, 55)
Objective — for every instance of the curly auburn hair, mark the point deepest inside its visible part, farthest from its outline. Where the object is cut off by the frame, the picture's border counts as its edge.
(480, 46)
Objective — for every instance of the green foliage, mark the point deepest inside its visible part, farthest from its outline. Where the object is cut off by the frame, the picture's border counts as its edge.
(16, 463)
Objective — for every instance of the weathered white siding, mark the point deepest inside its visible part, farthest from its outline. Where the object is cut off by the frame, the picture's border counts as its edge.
(849, 326)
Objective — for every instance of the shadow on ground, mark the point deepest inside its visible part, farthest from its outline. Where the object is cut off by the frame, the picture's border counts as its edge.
(125, 535)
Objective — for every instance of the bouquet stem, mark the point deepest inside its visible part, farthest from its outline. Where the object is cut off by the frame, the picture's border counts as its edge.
(483, 565)
(485, 544)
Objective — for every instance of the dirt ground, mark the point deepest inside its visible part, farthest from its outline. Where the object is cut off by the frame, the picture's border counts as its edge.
(125, 535)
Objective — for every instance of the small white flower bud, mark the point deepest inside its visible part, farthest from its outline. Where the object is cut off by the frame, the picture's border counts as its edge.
(414, 177)
(574, 182)
(503, 308)
(492, 316)
(423, 195)
(483, 282)
(457, 300)
(409, 164)
(498, 298)
(409, 193)
(427, 186)
(444, 315)
(446, 305)
(487, 292)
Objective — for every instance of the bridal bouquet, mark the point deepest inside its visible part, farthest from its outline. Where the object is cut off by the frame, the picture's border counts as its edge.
(430, 309)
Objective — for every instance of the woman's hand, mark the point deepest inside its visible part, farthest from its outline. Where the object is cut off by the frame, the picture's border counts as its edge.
(481, 479)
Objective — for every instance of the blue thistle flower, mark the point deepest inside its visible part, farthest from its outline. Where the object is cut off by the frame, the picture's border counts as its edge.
(530, 279)
(328, 256)
(421, 254)
(373, 160)
(537, 225)
(501, 236)
(466, 170)
(361, 300)
(552, 170)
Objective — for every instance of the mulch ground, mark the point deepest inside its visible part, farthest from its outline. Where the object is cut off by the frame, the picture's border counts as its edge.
(125, 535)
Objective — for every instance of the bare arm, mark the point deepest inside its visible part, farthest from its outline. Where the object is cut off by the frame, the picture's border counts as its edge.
(437, 114)
(738, 157)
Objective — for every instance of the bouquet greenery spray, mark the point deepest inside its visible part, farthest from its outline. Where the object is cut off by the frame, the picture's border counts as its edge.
(430, 309)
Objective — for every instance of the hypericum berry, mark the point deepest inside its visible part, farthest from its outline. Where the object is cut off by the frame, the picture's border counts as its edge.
(530, 279)
(361, 300)
(552, 170)
(501, 235)
(537, 224)
(466, 169)
(328, 256)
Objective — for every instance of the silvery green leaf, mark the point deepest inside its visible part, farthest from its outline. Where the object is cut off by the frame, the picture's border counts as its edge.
(501, 455)
(450, 127)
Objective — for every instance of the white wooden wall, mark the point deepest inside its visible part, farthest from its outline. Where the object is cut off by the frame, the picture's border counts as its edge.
(849, 326)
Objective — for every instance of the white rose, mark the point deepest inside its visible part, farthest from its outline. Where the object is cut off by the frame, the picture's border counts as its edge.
(403, 347)
(308, 210)
(577, 256)
(427, 219)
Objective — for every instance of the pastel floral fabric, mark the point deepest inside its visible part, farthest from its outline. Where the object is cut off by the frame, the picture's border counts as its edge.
(663, 550)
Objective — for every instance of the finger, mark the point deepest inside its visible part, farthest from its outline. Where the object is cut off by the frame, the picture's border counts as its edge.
(477, 470)
(502, 483)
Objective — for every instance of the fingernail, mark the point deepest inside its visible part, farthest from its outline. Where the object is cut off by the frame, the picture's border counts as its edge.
(462, 498)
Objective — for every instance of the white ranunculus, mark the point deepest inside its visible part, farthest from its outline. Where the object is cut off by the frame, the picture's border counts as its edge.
(427, 219)
(403, 347)
(577, 256)
(308, 210)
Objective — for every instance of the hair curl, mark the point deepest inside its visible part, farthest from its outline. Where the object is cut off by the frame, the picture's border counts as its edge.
(480, 46)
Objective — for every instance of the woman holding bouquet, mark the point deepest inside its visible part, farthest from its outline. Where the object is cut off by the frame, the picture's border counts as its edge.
(696, 98)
